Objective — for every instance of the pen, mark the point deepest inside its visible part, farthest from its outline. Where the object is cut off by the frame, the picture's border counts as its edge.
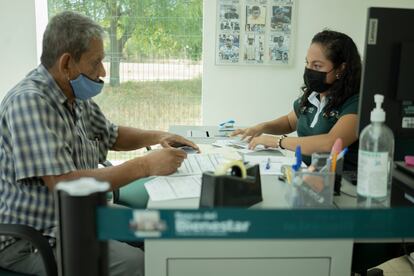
(289, 175)
(336, 148)
(342, 153)
(268, 164)
(298, 155)
(334, 158)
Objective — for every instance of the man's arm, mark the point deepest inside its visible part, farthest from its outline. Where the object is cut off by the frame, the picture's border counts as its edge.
(160, 162)
(133, 138)
(130, 138)
(117, 176)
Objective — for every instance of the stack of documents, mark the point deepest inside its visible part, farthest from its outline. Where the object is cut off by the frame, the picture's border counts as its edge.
(199, 163)
(166, 187)
(186, 182)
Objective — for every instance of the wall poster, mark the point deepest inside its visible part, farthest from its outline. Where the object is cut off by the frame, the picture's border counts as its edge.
(254, 32)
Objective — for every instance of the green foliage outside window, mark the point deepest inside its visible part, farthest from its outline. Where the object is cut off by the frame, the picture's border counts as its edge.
(139, 30)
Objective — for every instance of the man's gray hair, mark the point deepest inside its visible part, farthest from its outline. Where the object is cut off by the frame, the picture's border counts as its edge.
(68, 32)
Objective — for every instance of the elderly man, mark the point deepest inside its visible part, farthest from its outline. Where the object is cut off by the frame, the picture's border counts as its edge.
(51, 131)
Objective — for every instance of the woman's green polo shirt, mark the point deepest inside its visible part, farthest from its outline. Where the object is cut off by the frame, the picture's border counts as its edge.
(324, 124)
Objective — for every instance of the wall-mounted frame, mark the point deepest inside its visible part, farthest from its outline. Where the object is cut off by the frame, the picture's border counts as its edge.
(255, 32)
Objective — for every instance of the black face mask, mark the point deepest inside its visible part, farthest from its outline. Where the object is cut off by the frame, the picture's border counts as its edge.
(315, 80)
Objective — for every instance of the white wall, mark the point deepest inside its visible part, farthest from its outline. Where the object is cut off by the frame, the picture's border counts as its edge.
(252, 94)
(18, 53)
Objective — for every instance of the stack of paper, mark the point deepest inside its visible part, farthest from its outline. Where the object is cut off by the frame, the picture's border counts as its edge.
(199, 163)
(166, 188)
(186, 182)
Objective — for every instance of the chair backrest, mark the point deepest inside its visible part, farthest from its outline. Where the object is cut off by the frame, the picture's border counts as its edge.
(37, 239)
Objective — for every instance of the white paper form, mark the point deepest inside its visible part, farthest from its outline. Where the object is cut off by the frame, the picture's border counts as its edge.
(199, 163)
(240, 145)
(167, 187)
(275, 163)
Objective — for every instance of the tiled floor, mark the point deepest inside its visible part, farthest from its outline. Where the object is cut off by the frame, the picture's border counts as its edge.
(397, 267)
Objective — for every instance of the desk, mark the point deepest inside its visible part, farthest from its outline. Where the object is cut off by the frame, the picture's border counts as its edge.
(246, 257)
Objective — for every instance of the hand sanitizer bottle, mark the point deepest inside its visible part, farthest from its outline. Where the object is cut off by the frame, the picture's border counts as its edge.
(375, 159)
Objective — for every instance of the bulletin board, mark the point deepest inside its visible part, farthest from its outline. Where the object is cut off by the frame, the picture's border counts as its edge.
(255, 32)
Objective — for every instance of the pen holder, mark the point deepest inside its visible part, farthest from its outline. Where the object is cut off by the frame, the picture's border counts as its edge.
(311, 189)
(231, 191)
(319, 160)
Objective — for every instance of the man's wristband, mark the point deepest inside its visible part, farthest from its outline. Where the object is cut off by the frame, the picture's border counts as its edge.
(279, 141)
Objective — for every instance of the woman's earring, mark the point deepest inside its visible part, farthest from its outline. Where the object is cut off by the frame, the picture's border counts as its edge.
(338, 76)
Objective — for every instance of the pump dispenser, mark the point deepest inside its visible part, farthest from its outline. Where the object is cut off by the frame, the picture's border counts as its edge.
(375, 159)
(378, 114)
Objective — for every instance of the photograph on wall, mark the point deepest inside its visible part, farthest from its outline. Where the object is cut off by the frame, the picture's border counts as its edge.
(279, 47)
(281, 18)
(254, 48)
(229, 17)
(255, 32)
(229, 48)
(255, 18)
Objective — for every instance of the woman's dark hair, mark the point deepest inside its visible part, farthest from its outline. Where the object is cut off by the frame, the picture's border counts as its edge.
(338, 48)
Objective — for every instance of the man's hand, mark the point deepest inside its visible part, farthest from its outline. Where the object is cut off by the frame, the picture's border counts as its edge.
(174, 141)
(248, 133)
(164, 161)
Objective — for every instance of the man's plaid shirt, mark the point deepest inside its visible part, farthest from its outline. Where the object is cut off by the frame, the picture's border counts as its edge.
(41, 135)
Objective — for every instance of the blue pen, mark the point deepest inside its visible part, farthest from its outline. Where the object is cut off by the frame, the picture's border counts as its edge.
(342, 153)
(298, 155)
(268, 164)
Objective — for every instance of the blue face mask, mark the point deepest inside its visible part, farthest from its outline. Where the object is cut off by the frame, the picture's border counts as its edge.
(84, 88)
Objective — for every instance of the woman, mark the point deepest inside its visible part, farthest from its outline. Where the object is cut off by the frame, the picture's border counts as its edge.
(328, 107)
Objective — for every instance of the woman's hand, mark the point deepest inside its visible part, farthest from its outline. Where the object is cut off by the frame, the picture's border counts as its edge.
(249, 133)
(266, 140)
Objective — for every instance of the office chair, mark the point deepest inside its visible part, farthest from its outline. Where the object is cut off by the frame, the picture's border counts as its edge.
(39, 242)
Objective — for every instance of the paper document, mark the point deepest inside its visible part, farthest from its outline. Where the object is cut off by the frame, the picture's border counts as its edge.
(269, 164)
(199, 163)
(167, 187)
(240, 145)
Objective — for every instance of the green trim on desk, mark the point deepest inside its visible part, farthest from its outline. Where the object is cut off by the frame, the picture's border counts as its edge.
(134, 194)
(231, 223)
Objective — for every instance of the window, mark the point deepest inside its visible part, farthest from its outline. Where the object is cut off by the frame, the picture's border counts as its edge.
(153, 61)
